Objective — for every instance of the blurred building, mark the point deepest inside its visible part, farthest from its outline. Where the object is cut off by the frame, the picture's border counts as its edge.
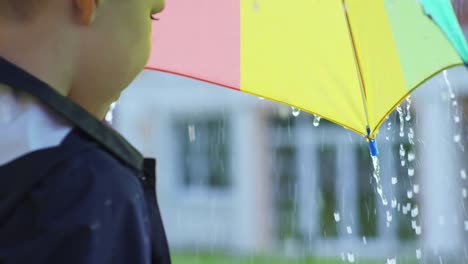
(243, 175)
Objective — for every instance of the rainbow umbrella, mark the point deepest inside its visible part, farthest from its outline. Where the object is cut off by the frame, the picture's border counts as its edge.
(349, 61)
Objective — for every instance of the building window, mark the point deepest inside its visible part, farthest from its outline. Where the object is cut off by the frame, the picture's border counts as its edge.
(284, 176)
(367, 205)
(204, 153)
(327, 195)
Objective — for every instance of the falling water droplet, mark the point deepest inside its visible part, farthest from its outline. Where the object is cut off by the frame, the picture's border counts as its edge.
(449, 85)
(402, 121)
(376, 174)
(402, 155)
(295, 111)
(349, 230)
(364, 240)
(464, 194)
(317, 120)
(409, 194)
(394, 180)
(463, 174)
(466, 225)
(417, 230)
(261, 98)
(110, 113)
(351, 258)
(391, 261)
(411, 136)
(411, 172)
(418, 253)
(456, 118)
(191, 133)
(389, 125)
(389, 216)
(416, 188)
(411, 156)
(405, 209)
(456, 138)
(336, 215)
(408, 109)
(394, 202)
(414, 212)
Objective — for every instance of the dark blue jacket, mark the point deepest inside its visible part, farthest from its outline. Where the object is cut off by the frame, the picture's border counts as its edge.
(89, 200)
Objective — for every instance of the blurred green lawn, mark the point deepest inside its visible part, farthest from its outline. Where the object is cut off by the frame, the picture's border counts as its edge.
(204, 258)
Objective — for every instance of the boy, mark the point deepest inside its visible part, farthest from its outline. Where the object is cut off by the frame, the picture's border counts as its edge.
(72, 190)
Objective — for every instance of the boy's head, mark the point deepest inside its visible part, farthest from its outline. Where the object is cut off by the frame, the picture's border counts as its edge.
(88, 49)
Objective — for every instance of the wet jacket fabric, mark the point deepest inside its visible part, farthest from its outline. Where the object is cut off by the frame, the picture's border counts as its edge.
(90, 199)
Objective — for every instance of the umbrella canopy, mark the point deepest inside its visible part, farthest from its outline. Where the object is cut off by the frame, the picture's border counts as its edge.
(349, 61)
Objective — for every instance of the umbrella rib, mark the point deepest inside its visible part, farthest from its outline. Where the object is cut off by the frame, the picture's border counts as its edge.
(358, 64)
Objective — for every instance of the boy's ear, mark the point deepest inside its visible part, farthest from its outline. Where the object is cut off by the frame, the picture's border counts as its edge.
(87, 10)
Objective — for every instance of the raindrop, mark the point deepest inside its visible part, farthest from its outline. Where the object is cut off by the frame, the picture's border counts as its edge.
(402, 155)
(389, 125)
(337, 216)
(449, 85)
(463, 174)
(414, 212)
(317, 120)
(295, 111)
(454, 103)
(351, 257)
(394, 202)
(108, 202)
(376, 174)
(418, 253)
(402, 121)
(391, 261)
(411, 172)
(464, 193)
(110, 113)
(389, 216)
(456, 138)
(364, 240)
(456, 118)
(402, 151)
(466, 225)
(405, 209)
(411, 156)
(394, 180)
(411, 136)
(387, 138)
(343, 257)
(349, 230)
(417, 230)
(403, 162)
(408, 109)
(191, 133)
(413, 224)
(416, 188)
(261, 98)
(409, 194)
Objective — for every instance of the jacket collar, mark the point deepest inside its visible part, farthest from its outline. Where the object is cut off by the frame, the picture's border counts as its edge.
(113, 142)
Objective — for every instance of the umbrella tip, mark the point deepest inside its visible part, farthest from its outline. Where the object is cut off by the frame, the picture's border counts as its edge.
(373, 149)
